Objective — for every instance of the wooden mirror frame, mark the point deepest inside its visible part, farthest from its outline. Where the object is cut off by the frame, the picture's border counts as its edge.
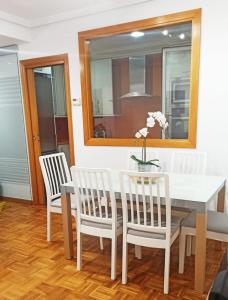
(193, 16)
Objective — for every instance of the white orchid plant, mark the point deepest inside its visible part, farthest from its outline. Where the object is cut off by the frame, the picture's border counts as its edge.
(154, 117)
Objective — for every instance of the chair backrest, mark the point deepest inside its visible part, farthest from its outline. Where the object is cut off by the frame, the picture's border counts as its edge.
(144, 194)
(189, 162)
(55, 172)
(94, 194)
(132, 165)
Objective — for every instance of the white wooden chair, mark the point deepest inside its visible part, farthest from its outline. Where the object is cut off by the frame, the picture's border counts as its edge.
(55, 172)
(217, 229)
(132, 165)
(189, 162)
(96, 213)
(147, 227)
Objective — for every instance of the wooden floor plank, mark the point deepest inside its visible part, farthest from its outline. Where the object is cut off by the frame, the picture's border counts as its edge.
(32, 268)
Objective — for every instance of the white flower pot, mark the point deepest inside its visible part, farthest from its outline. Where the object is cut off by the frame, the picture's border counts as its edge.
(144, 167)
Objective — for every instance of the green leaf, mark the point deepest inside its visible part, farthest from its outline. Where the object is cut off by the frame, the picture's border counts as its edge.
(142, 162)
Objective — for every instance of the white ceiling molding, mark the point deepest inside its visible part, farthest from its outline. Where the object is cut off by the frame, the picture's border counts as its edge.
(11, 33)
(14, 19)
(77, 13)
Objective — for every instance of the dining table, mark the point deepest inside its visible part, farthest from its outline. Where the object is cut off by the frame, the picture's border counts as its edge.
(189, 191)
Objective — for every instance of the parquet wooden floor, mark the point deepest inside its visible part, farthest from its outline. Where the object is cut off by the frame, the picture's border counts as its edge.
(31, 268)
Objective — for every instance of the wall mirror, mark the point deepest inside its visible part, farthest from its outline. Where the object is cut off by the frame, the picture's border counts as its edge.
(131, 69)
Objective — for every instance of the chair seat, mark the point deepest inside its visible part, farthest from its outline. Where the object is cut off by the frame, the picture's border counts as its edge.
(102, 225)
(175, 224)
(216, 221)
(57, 203)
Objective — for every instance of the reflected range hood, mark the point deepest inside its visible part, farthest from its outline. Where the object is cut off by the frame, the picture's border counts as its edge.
(135, 94)
(137, 78)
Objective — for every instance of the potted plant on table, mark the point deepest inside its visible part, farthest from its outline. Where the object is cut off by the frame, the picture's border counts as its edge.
(145, 165)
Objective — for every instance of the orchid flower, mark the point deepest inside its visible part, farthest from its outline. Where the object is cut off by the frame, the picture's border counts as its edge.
(159, 117)
(138, 135)
(143, 133)
(150, 122)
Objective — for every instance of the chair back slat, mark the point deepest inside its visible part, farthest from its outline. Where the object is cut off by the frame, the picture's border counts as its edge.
(158, 204)
(46, 170)
(131, 203)
(83, 206)
(54, 175)
(144, 201)
(144, 194)
(92, 194)
(104, 194)
(95, 195)
(98, 194)
(59, 174)
(189, 162)
(63, 169)
(151, 202)
(87, 192)
(55, 172)
(137, 204)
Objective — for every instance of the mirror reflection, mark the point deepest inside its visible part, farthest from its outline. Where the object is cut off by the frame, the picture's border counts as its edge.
(138, 72)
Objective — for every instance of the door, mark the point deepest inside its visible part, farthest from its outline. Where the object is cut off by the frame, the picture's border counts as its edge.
(48, 114)
(14, 165)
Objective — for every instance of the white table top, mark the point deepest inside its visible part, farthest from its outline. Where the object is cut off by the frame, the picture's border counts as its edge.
(186, 190)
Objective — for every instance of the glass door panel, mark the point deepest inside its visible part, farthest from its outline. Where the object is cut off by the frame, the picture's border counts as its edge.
(51, 110)
(14, 169)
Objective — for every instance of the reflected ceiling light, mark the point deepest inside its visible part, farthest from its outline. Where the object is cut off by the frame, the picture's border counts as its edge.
(137, 33)
(182, 36)
(165, 32)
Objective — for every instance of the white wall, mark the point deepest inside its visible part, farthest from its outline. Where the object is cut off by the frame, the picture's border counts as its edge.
(213, 93)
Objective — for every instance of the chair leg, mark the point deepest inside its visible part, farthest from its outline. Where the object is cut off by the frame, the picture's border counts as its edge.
(138, 252)
(49, 226)
(79, 250)
(124, 261)
(166, 271)
(113, 258)
(101, 244)
(193, 245)
(189, 245)
(182, 239)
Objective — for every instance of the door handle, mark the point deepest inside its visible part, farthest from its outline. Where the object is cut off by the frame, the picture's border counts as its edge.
(36, 138)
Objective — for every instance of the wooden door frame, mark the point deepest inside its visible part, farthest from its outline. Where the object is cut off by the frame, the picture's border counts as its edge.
(25, 67)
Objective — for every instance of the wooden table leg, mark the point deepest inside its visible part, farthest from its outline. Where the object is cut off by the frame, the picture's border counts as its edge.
(67, 225)
(200, 257)
(220, 208)
(221, 199)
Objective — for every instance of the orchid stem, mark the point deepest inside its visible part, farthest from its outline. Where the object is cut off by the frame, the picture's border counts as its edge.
(144, 149)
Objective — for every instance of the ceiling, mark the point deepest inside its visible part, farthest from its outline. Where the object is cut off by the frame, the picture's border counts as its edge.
(153, 41)
(30, 9)
(36, 13)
